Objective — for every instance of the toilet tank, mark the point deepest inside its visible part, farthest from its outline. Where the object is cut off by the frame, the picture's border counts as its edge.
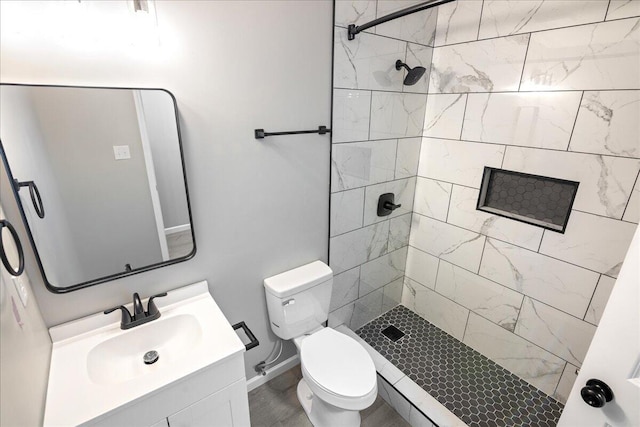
(298, 300)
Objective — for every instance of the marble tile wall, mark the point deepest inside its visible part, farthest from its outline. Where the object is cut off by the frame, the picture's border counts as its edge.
(541, 87)
(377, 131)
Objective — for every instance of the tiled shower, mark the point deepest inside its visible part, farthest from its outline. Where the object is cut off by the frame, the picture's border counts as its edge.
(543, 88)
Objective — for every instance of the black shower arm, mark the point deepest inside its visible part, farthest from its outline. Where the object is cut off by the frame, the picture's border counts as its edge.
(353, 29)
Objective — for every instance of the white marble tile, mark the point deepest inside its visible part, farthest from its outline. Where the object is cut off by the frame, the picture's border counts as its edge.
(366, 309)
(608, 123)
(432, 198)
(341, 316)
(417, 419)
(524, 359)
(566, 383)
(502, 18)
(399, 228)
(599, 300)
(408, 157)
(427, 404)
(403, 189)
(397, 115)
(605, 182)
(362, 163)
(394, 399)
(458, 22)
(367, 62)
(623, 9)
(346, 211)
(446, 241)
(357, 247)
(444, 115)
(345, 288)
(356, 12)
(561, 285)
(351, 110)
(438, 310)
(540, 119)
(418, 55)
(417, 28)
(494, 302)
(422, 267)
(459, 162)
(595, 56)
(555, 331)
(592, 242)
(463, 213)
(482, 66)
(632, 213)
(392, 294)
(381, 271)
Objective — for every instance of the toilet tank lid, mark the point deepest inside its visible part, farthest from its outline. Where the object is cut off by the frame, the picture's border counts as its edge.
(299, 279)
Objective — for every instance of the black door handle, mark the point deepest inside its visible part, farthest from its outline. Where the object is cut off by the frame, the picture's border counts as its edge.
(596, 393)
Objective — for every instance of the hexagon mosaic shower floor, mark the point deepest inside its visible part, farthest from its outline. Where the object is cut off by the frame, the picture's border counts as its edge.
(474, 388)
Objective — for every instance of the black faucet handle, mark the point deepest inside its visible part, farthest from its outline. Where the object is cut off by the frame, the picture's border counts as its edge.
(152, 309)
(126, 316)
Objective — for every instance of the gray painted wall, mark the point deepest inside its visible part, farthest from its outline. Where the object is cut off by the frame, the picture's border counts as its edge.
(259, 207)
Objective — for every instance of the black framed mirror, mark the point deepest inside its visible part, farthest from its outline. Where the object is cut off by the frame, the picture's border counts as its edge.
(109, 170)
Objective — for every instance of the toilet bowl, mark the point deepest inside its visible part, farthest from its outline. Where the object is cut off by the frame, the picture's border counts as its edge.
(338, 375)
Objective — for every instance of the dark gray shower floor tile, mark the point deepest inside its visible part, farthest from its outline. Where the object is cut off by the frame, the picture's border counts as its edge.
(474, 388)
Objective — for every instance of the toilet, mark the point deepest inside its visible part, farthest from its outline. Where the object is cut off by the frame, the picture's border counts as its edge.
(338, 375)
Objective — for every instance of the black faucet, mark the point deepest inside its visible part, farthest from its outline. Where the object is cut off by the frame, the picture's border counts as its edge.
(140, 316)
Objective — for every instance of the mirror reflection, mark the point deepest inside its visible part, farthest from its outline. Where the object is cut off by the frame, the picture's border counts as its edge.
(100, 176)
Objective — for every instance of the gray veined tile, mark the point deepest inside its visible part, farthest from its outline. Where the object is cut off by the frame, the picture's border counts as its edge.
(367, 62)
(561, 285)
(555, 331)
(632, 212)
(566, 383)
(543, 120)
(346, 211)
(351, 110)
(608, 123)
(392, 294)
(382, 271)
(458, 162)
(399, 228)
(358, 164)
(342, 316)
(345, 288)
(605, 182)
(366, 309)
(403, 189)
(595, 56)
(357, 247)
(458, 22)
(418, 55)
(503, 18)
(482, 66)
(394, 399)
(397, 115)
(422, 267)
(492, 301)
(526, 360)
(463, 213)
(432, 198)
(593, 242)
(356, 12)
(407, 157)
(448, 242)
(599, 300)
(417, 28)
(444, 115)
(623, 9)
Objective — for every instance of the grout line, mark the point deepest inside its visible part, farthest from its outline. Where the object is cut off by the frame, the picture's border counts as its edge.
(575, 121)
(464, 114)
(449, 203)
(482, 255)
(630, 197)
(593, 294)
(466, 326)
(555, 390)
(606, 12)
(370, 113)
(542, 238)
(479, 21)
(524, 62)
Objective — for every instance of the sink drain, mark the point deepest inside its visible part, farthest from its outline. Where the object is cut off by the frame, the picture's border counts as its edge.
(150, 357)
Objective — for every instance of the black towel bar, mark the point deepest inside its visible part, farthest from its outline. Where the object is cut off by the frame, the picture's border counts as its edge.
(260, 133)
(254, 341)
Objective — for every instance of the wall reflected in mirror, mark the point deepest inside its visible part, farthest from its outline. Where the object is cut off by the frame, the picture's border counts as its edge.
(108, 166)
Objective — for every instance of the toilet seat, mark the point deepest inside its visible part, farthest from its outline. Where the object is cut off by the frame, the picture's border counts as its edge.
(338, 369)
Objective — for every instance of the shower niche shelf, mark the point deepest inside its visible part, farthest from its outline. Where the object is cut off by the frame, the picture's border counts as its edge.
(538, 200)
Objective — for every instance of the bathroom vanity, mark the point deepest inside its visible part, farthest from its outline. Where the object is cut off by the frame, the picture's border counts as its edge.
(98, 376)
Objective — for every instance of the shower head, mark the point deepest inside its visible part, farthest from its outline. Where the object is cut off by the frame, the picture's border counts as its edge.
(413, 74)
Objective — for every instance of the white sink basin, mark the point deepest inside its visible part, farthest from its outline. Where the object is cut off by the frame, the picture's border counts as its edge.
(96, 367)
(120, 359)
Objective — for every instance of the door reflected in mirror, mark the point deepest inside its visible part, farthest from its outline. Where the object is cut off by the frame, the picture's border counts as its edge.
(99, 174)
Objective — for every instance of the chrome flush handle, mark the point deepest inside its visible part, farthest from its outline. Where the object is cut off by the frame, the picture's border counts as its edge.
(289, 302)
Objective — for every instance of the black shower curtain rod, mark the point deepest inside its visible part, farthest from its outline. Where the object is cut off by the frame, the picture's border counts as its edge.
(353, 29)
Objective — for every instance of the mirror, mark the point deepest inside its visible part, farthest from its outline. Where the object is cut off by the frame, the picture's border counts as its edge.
(99, 177)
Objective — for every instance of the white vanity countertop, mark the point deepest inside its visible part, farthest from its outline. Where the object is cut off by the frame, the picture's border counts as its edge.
(192, 334)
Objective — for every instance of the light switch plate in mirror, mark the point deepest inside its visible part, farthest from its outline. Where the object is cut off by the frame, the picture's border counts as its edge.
(105, 216)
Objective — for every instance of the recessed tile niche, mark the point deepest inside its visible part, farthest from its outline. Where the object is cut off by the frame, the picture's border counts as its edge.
(534, 199)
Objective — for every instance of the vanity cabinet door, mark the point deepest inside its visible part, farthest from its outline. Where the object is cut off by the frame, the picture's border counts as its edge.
(227, 407)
